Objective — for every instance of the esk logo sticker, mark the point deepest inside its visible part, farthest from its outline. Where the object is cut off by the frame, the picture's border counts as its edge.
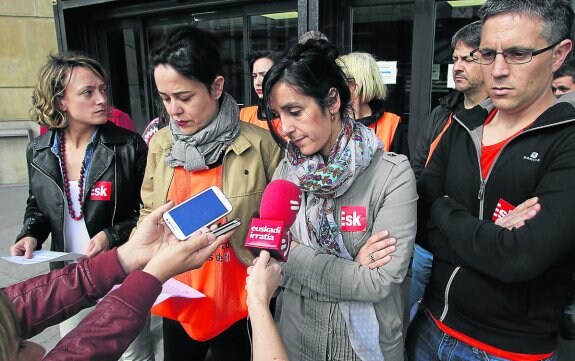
(353, 218)
(101, 191)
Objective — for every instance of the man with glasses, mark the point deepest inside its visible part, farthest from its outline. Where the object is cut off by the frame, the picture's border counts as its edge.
(497, 290)
(469, 91)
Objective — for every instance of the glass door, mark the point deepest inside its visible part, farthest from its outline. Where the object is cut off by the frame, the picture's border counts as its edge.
(120, 51)
(386, 32)
(269, 31)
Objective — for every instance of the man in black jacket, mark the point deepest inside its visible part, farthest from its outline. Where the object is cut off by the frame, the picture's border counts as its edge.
(497, 293)
(469, 91)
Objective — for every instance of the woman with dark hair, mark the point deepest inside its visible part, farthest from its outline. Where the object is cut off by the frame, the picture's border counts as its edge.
(337, 303)
(260, 62)
(84, 173)
(204, 145)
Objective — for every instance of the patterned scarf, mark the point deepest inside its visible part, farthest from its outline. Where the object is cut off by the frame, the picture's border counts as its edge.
(197, 151)
(353, 151)
(315, 224)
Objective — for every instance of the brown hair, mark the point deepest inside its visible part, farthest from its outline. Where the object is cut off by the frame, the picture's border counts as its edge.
(51, 85)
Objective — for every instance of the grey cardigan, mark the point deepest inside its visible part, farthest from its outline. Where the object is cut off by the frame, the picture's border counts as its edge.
(310, 320)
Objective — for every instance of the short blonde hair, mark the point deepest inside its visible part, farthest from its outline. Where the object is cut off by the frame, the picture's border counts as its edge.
(51, 86)
(9, 327)
(363, 70)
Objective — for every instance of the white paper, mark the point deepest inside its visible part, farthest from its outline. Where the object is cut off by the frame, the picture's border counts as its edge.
(388, 71)
(175, 288)
(435, 70)
(44, 256)
(450, 81)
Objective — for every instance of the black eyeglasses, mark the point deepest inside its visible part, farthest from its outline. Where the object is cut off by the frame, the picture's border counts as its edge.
(511, 55)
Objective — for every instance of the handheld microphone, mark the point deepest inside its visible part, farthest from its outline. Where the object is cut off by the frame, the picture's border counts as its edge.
(278, 210)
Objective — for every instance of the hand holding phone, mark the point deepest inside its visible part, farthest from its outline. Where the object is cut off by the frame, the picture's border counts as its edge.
(197, 212)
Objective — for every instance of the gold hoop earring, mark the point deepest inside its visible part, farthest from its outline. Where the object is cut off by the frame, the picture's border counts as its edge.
(332, 118)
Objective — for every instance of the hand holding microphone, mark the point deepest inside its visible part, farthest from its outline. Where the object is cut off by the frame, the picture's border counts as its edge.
(280, 204)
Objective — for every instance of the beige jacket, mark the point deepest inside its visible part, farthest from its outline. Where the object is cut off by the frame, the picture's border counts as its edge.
(248, 165)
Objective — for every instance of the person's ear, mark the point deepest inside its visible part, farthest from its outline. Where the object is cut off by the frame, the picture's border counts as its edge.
(218, 87)
(560, 53)
(335, 101)
(62, 105)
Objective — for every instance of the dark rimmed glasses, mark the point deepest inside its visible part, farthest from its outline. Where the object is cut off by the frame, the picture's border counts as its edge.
(511, 55)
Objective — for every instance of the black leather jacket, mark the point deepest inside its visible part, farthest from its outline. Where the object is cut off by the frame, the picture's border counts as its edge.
(119, 158)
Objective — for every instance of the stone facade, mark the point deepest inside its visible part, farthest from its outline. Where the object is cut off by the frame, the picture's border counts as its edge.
(27, 36)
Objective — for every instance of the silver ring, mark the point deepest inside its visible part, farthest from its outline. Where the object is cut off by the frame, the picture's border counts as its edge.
(371, 257)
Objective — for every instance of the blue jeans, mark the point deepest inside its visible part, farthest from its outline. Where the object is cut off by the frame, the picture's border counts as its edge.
(426, 342)
(420, 273)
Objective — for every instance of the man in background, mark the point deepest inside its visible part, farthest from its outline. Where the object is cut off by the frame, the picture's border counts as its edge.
(564, 78)
(469, 91)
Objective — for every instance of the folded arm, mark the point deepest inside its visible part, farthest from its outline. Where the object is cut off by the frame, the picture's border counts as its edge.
(308, 271)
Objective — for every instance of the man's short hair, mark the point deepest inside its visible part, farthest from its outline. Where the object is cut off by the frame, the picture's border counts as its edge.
(470, 35)
(567, 69)
(557, 15)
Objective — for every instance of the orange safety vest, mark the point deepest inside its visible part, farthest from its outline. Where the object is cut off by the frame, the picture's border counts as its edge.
(385, 128)
(222, 278)
(250, 115)
(437, 139)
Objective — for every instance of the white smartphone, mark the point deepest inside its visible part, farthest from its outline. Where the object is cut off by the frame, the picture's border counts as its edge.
(199, 211)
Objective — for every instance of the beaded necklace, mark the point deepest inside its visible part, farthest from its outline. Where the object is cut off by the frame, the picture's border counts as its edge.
(67, 183)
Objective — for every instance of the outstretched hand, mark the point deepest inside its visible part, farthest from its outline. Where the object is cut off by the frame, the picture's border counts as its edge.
(151, 235)
(154, 247)
(183, 256)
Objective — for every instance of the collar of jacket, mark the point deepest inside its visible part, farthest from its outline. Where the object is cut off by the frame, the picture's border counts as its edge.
(106, 136)
(238, 146)
(451, 101)
(560, 113)
(377, 110)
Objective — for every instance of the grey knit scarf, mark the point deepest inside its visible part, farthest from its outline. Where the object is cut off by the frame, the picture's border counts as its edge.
(196, 152)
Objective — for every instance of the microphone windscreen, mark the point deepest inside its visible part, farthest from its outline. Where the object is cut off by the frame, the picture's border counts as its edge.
(281, 201)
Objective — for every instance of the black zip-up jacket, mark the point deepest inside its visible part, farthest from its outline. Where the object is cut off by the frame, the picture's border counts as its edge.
(119, 157)
(506, 288)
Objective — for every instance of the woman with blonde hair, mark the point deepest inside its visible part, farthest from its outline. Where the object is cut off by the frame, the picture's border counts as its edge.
(84, 173)
(368, 92)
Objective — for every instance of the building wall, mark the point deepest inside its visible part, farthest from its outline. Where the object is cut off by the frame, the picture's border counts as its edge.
(27, 36)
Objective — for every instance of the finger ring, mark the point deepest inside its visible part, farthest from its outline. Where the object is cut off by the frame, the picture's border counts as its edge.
(371, 257)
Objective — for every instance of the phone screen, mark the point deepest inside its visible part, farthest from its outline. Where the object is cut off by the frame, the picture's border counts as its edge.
(198, 212)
